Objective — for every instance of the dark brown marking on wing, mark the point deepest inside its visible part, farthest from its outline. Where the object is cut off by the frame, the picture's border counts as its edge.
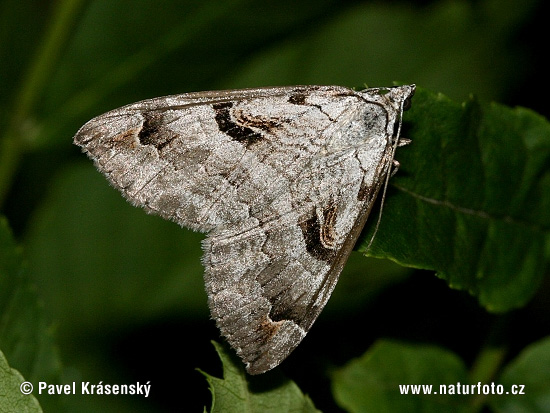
(365, 192)
(313, 233)
(239, 133)
(328, 235)
(263, 123)
(268, 328)
(297, 98)
(153, 131)
(300, 98)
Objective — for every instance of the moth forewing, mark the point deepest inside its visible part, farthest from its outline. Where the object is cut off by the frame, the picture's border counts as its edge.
(282, 181)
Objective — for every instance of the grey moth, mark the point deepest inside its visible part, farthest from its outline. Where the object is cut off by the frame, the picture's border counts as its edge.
(281, 179)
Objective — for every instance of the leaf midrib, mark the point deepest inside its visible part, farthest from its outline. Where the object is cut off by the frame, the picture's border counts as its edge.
(474, 212)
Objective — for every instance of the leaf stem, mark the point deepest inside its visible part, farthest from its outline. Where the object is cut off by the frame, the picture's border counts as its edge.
(487, 363)
(18, 135)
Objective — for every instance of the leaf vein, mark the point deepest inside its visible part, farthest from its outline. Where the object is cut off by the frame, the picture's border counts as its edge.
(474, 212)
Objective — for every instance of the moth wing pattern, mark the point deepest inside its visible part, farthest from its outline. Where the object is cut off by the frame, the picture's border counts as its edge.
(184, 157)
(281, 180)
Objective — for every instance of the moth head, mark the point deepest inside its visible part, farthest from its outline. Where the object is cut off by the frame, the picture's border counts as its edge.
(399, 97)
(364, 124)
(372, 119)
(395, 100)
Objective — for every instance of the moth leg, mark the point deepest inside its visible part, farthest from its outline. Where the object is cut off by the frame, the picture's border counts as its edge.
(403, 142)
(394, 168)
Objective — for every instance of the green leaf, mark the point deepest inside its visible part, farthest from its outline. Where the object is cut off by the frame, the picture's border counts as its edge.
(372, 382)
(239, 392)
(471, 199)
(11, 398)
(25, 338)
(361, 281)
(531, 369)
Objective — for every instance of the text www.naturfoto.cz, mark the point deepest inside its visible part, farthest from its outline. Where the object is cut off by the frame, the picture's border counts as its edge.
(460, 388)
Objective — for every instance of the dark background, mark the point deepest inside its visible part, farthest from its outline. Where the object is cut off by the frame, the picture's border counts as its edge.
(123, 290)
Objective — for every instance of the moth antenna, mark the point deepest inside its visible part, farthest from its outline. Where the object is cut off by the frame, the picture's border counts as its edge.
(388, 175)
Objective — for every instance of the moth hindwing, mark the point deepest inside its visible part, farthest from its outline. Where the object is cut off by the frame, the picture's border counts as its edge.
(282, 181)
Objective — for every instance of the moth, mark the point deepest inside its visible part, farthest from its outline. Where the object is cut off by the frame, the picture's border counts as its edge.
(281, 179)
